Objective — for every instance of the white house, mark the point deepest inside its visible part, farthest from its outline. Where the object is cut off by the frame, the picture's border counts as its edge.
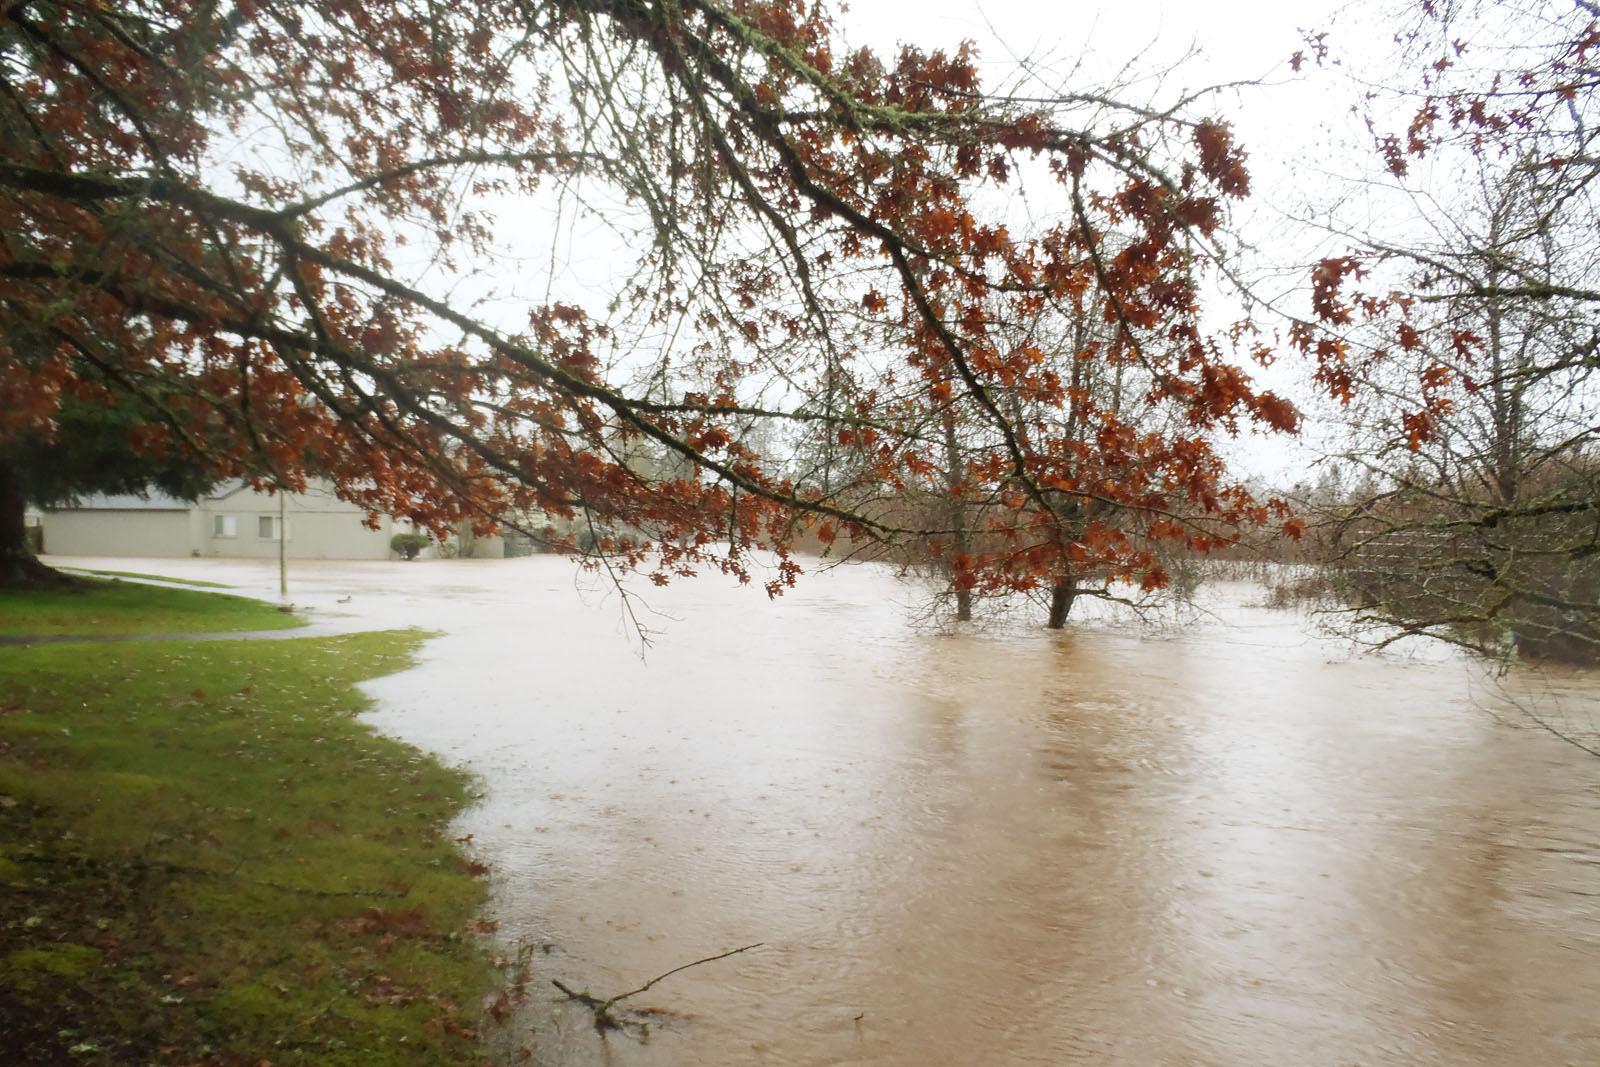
(103, 525)
(235, 520)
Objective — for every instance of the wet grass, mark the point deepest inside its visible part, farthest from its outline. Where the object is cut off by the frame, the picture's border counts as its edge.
(205, 858)
(103, 607)
(151, 577)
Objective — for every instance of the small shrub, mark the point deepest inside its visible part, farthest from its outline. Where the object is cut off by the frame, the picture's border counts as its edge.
(408, 545)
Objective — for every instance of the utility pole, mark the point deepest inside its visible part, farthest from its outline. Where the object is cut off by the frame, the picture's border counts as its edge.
(283, 549)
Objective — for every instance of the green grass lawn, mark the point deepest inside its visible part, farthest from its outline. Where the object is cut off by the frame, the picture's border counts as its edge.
(205, 858)
(101, 607)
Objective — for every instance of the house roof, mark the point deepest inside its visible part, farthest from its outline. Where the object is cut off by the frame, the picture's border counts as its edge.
(154, 501)
(226, 489)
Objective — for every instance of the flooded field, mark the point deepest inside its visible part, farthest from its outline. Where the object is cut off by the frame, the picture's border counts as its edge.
(1230, 842)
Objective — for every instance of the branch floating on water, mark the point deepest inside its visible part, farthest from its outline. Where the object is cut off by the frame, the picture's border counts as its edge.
(604, 1019)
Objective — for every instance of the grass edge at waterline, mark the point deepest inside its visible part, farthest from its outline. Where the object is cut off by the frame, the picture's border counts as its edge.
(206, 858)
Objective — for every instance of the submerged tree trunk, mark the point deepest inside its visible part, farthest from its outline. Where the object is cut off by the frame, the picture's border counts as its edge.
(18, 565)
(958, 512)
(1061, 598)
(963, 605)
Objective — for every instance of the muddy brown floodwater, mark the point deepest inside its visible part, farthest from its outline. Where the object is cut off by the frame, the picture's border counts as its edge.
(1232, 843)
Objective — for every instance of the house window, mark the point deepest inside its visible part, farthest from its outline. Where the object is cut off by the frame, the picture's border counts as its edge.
(224, 526)
(267, 528)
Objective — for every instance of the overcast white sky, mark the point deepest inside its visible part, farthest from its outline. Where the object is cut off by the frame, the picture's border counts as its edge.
(1244, 37)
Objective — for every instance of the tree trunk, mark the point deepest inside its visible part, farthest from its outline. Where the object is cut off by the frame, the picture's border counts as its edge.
(19, 568)
(1061, 597)
(958, 513)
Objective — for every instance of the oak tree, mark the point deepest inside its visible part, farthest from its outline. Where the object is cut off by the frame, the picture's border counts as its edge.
(304, 234)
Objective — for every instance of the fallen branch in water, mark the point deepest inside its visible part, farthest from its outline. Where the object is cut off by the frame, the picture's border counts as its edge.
(604, 1019)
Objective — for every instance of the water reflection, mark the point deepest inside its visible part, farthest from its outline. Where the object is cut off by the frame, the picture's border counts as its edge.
(1232, 844)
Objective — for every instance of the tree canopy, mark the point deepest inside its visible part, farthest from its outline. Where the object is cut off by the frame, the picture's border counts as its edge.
(1469, 347)
(301, 233)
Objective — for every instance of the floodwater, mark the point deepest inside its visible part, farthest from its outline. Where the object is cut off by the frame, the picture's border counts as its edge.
(1228, 843)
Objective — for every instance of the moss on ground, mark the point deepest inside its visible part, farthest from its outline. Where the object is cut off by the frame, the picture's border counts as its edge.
(106, 607)
(205, 858)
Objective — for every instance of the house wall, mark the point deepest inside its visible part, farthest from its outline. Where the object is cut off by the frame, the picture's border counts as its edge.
(470, 546)
(117, 532)
(321, 526)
